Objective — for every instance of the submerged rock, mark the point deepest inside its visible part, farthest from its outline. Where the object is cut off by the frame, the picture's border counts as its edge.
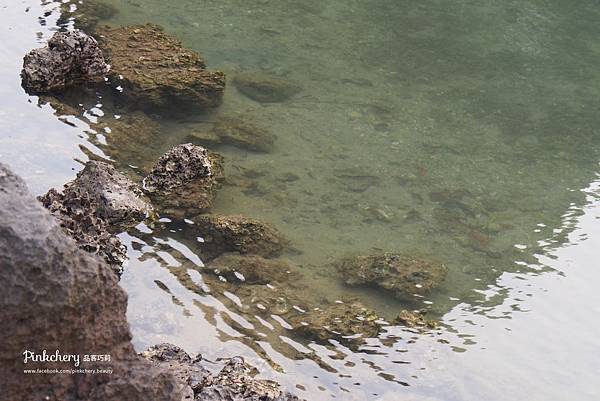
(251, 269)
(85, 14)
(237, 132)
(185, 180)
(70, 58)
(99, 202)
(265, 88)
(403, 275)
(236, 233)
(414, 319)
(347, 322)
(57, 297)
(156, 72)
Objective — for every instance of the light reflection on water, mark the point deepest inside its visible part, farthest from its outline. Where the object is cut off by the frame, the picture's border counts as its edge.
(473, 137)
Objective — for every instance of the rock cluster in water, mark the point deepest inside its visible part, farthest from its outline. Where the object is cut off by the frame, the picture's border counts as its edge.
(233, 383)
(154, 71)
(265, 88)
(98, 203)
(69, 58)
(57, 297)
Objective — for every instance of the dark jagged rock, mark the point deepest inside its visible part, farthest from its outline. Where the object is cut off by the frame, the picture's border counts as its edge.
(252, 269)
(237, 233)
(97, 203)
(156, 72)
(70, 58)
(264, 88)
(236, 132)
(233, 383)
(85, 14)
(57, 297)
(185, 180)
(403, 275)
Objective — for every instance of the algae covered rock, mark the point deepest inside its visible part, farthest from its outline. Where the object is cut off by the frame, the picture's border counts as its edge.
(403, 275)
(234, 131)
(251, 269)
(184, 180)
(344, 321)
(414, 319)
(265, 88)
(85, 14)
(69, 58)
(99, 202)
(154, 71)
(236, 233)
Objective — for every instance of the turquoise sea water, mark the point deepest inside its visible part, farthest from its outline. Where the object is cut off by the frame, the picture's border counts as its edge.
(463, 132)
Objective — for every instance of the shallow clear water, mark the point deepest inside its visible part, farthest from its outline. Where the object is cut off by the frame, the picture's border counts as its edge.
(465, 133)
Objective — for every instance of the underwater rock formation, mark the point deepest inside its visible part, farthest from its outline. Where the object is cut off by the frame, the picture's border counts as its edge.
(414, 319)
(236, 132)
(236, 233)
(402, 275)
(265, 88)
(184, 180)
(85, 14)
(69, 58)
(233, 383)
(57, 297)
(348, 322)
(252, 269)
(154, 71)
(97, 203)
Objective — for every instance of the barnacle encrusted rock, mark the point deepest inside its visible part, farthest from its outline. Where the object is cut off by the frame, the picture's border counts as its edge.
(69, 58)
(154, 71)
(185, 180)
(233, 383)
(403, 275)
(236, 233)
(99, 202)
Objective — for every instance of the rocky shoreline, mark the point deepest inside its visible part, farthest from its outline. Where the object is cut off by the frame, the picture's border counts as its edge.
(144, 71)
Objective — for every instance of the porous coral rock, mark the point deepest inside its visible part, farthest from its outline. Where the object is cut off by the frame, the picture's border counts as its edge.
(69, 58)
(184, 180)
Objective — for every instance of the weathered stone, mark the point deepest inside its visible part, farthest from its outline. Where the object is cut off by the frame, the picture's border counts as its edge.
(70, 58)
(85, 14)
(156, 72)
(233, 383)
(349, 322)
(99, 201)
(57, 297)
(264, 88)
(184, 180)
(252, 269)
(237, 233)
(403, 275)
(244, 134)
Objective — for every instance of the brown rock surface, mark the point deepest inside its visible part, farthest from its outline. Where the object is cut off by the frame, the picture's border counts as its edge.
(156, 72)
(403, 275)
(85, 14)
(252, 269)
(265, 88)
(57, 297)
